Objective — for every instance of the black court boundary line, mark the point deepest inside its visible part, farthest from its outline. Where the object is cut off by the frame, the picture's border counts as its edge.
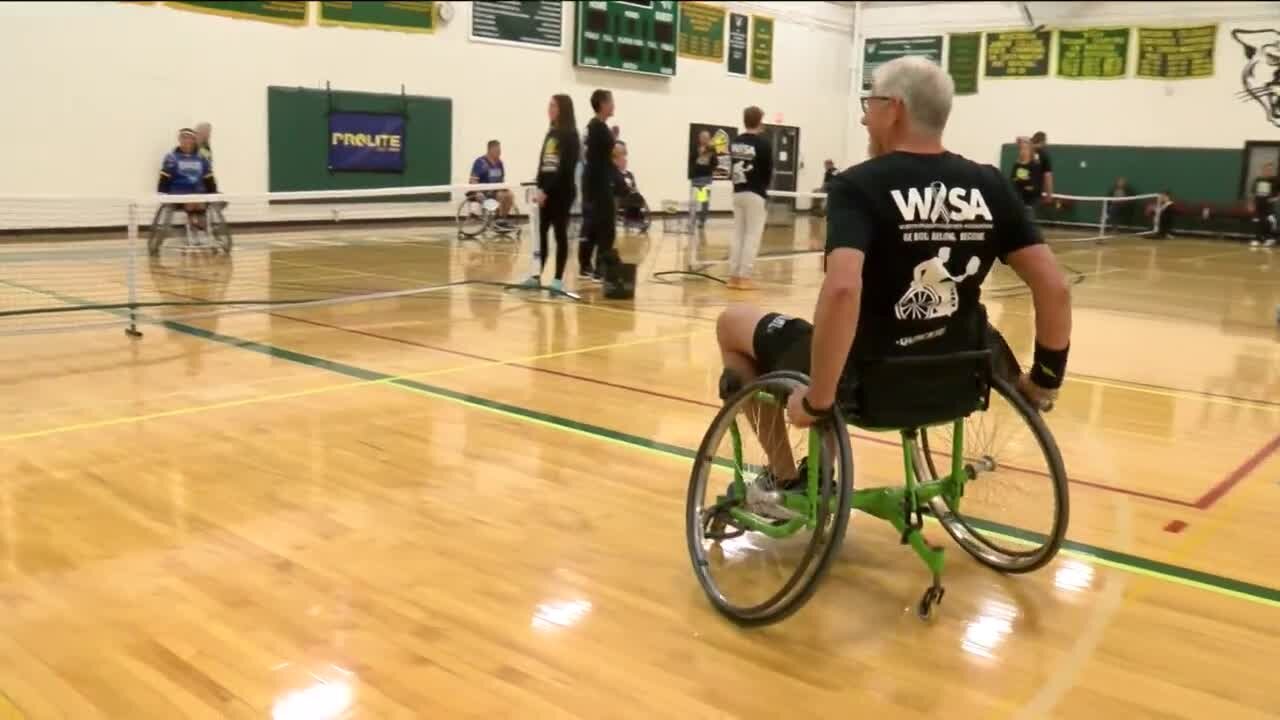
(1261, 593)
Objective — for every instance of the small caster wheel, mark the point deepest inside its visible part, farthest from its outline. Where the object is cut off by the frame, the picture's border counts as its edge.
(932, 597)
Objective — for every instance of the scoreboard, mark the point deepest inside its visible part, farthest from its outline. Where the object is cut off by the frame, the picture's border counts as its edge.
(632, 36)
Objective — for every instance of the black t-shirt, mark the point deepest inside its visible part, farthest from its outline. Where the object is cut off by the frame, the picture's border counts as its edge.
(1266, 186)
(1043, 163)
(1027, 181)
(556, 162)
(598, 172)
(752, 168)
(931, 227)
(702, 163)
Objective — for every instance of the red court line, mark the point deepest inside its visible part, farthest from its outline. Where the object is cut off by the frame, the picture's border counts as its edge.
(701, 403)
(1234, 477)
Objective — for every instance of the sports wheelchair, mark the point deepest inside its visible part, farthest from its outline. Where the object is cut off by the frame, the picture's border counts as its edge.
(968, 435)
(478, 214)
(633, 213)
(215, 235)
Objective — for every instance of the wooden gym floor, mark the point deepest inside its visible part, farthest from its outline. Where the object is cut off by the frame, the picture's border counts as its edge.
(469, 502)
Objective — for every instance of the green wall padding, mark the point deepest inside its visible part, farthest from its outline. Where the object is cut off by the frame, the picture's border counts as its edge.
(1209, 175)
(298, 128)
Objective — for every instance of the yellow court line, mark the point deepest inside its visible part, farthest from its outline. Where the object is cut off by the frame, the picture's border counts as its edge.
(109, 422)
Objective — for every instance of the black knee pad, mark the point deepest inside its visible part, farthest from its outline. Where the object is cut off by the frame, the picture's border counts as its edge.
(730, 383)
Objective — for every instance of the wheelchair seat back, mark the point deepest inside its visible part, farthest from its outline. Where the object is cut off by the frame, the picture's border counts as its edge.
(913, 392)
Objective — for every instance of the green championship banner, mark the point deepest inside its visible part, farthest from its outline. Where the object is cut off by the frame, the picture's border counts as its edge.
(761, 48)
(533, 24)
(400, 16)
(1018, 53)
(702, 31)
(1176, 53)
(284, 13)
(963, 53)
(878, 51)
(738, 44)
(1093, 53)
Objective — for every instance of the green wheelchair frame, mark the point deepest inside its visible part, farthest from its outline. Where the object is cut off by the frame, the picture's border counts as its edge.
(902, 507)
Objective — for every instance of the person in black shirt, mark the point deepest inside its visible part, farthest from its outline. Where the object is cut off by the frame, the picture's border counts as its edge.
(751, 172)
(702, 167)
(1262, 203)
(911, 235)
(1044, 162)
(556, 162)
(1026, 179)
(599, 207)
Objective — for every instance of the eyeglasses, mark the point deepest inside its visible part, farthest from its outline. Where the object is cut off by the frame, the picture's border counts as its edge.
(866, 98)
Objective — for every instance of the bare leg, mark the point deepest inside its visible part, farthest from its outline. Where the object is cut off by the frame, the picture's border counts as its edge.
(735, 330)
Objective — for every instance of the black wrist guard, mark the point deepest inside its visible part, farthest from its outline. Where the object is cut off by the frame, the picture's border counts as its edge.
(1049, 367)
(814, 412)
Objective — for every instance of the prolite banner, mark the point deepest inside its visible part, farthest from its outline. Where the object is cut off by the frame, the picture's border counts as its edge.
(366, 142)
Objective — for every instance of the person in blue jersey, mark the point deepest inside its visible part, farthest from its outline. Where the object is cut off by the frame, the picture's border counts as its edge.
(488, 169)
(185, 171)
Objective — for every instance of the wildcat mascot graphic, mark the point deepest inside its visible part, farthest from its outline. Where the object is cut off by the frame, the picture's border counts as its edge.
(1261, 75)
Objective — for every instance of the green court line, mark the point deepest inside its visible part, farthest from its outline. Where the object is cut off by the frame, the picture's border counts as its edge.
(1123, 561)
(1111, 558)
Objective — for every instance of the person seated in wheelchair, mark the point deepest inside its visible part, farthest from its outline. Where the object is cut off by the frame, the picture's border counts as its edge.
(911, 235)
(631, 204)
(488, 169)
(185, 171)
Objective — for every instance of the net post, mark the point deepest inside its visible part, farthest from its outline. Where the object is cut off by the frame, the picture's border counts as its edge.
(131, 271)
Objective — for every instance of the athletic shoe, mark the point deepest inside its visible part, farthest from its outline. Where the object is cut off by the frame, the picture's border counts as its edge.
(533, 282)
(585, 275)
(1271, 242)
(1255, 243)
(557, 285)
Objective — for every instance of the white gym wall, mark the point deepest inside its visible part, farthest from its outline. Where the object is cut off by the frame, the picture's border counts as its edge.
(1181, 113)
(95, 91)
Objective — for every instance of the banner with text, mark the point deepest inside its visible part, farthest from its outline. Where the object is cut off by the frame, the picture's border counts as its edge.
(738, 44)
(536, 24)
(366, 142)
(878, 51)
(1018, 54)
(1176, 53)
(964, 53)
(702, 31)
(761, 48)
(1093, 53)
(401, 16)
(276, 11)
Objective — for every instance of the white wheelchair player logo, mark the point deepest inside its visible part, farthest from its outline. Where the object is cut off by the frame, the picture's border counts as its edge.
(932, 293)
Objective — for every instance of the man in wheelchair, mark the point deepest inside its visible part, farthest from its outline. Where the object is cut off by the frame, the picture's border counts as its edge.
(911, 235)
(488, 169)
(185, 171)
(632, 208)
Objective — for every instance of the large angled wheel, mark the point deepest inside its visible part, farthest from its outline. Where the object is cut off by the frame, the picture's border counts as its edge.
(749, 575)
(1012, 514)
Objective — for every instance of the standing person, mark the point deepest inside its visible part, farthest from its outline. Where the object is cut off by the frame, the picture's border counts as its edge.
(599, 207)
(1039, 145)
(1165, 211)
(702, 168)
(1119, 212)
(1262, 201)
(1026, 179)
(204, 137)
(752, 171)
(555, 195)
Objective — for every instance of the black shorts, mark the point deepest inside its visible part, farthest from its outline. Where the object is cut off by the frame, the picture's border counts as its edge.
(782, 342)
